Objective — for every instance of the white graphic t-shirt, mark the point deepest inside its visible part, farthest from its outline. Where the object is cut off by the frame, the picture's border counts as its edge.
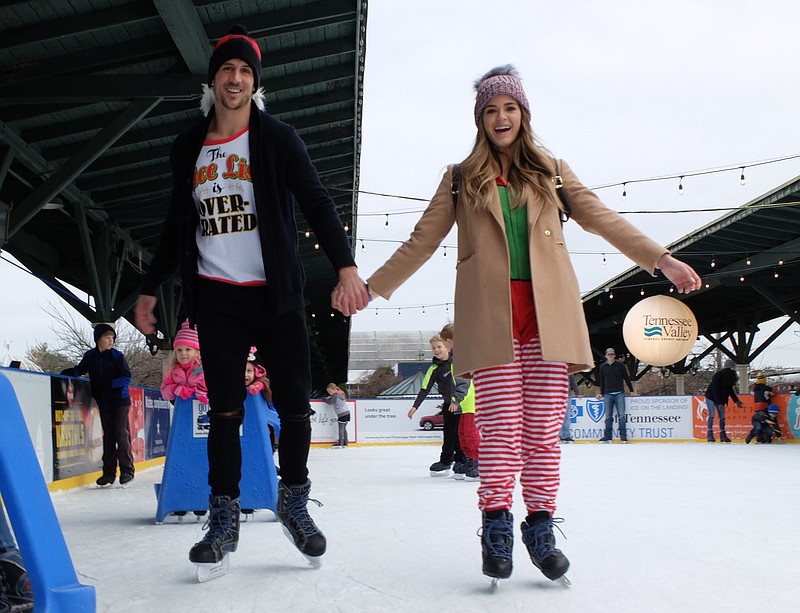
(227, 238)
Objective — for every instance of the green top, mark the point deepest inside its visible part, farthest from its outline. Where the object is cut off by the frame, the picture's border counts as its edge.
(516, 221)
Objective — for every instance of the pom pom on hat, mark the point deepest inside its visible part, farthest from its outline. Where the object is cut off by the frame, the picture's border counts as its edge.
(186, 337)
(499, 81)
(236, 44)
(100, 329)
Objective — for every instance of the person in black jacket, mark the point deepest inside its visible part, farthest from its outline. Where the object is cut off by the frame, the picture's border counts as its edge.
(611, 376)
(719, 391)
(231, 229)
(110, 376)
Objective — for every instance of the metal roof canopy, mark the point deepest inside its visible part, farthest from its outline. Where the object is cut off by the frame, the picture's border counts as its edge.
(749, 261)
(94, 93)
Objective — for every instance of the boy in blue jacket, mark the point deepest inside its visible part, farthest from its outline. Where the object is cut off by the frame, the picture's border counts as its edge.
(110, 376)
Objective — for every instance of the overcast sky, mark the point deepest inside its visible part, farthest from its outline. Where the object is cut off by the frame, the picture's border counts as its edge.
(621, 89)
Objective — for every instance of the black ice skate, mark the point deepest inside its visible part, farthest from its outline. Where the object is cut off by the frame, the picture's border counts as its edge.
(16, 593)
(541, 543)
(441, 469)
(222, 538)
(104, 481)
(497, 544)
(297, 523)
(472, 473)
(723, 438)
(459, 469)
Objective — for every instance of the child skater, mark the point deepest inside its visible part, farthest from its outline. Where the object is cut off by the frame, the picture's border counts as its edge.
(765, 425)
(336, 398)
(256, 381)
(183, 371)
(468, 436)
(440, 372)
(517, 306)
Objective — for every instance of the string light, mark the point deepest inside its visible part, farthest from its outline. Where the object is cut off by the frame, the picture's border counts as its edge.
(363, 247)
(316, 245)
(604, 260)
(671, 289)
(308, 233)
(776, 275)
(386, 225)
(641, 292)
(444, 253)
(713, 263)
(680, 186)
(742, 180)
(624, 192)
(749, 261)
(611, 296)
(741, 278)
(346, 228)
(780, 262)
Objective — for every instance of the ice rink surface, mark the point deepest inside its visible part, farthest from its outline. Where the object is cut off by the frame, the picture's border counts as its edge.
(650, 527)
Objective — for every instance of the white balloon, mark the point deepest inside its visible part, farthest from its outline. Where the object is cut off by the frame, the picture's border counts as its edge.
(660, 330)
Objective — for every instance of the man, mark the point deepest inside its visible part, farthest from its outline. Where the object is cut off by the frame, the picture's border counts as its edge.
(719, 391)
(231, 231)
(611, 376)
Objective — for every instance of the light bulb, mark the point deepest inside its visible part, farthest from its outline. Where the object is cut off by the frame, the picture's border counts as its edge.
(346, 228)
(445, 252)
(308, 233)
(741, 278)
(776, 274)
(316, 245)
(641, 292)
(680, 187)
(604, 260)
(749, 261)
(611, 296)
(742, 180)
(624, 193)
(363, 247)
(386, 225)
(713, 263)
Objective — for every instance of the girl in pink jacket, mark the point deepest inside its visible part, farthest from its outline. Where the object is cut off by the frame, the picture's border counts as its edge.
(183, 372)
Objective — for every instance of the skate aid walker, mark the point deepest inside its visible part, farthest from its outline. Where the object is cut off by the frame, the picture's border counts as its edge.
(47, 560)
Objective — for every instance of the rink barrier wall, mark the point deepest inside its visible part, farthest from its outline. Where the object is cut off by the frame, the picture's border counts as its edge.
(64, 425)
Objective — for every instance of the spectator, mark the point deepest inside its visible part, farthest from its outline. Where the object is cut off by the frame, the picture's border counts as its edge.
(612, 377)
(719, 391)
(110, 377)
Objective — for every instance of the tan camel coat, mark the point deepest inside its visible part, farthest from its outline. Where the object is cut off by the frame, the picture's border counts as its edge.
(483, 297)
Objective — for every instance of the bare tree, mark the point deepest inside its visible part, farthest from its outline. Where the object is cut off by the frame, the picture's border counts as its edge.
(75, 337)
(371, 384)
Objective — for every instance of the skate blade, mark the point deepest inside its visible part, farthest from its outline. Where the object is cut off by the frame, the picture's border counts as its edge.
(564, 581)
(315, 561)
(495, 584)
(441, 473)
(207, 572)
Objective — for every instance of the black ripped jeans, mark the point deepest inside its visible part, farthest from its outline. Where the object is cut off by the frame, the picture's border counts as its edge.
(231, 319)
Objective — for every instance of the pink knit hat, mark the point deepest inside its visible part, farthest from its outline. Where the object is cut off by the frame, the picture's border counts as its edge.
(186, 337)
(500, 81)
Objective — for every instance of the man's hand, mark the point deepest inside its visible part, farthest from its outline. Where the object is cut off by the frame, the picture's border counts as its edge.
(143, 314)
(683, 276)
(350, 295)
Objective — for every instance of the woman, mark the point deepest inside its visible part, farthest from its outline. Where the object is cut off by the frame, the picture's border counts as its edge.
(518, 300)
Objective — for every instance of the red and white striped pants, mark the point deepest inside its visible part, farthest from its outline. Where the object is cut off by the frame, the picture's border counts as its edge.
(519, 411)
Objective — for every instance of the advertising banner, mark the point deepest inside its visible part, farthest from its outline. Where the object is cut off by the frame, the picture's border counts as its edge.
(386, 421)
(325, 426)
(648, 418)
(738, 422)
(77, 431)
(136, 423)
(157, 413)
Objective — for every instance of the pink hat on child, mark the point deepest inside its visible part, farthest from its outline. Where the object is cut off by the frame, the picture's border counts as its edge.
(187, 337)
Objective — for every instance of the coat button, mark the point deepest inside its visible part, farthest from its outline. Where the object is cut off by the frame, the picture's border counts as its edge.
(547, 232)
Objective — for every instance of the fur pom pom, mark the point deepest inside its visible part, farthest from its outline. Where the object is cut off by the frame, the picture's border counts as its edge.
(506, 69)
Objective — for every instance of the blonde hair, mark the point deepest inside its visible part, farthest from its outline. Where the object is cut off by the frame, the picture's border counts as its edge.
(171, 361)
(531, 164)
(436, 338)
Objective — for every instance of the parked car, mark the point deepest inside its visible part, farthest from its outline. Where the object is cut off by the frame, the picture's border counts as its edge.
(429, 422)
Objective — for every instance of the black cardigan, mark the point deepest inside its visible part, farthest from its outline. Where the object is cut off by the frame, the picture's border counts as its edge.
(282, 172)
